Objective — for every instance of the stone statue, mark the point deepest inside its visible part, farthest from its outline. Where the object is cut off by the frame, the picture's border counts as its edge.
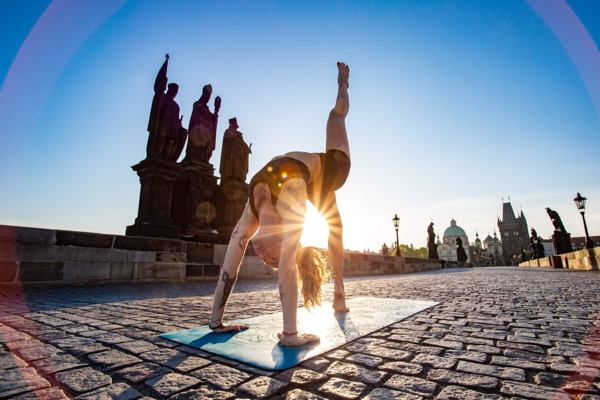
(431, 245)
(203, 128)
(385, 250)
(556, 221)
(166, 135)
(234, 154)
(461, 254)
(537, 248)
(560, 237)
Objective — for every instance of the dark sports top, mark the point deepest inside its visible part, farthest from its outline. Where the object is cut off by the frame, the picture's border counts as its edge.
(275, 174)
(335, 166)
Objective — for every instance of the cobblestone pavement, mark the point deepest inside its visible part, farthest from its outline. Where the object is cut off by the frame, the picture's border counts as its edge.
(498, 333)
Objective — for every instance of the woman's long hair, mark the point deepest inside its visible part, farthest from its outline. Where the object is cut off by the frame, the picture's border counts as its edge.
(313, 270)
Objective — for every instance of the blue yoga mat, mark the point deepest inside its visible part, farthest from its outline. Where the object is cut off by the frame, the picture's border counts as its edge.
(259, 345)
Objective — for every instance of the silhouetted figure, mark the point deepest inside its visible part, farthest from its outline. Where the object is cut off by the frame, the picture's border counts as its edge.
(431, 246)
(523, 255)
(203, 128)
(166, 136)
(560, 237)
(537, 248)
(385, 250)
(461, 254)
(234, 154)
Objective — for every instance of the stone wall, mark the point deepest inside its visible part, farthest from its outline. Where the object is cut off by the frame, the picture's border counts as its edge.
(44, 256)
(586, 259)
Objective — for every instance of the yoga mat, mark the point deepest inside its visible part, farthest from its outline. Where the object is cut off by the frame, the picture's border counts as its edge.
(259, 345)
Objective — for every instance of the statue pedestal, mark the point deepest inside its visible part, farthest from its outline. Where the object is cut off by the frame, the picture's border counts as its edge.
(157, 178)
(194, 210)
(432, 247)
(562, 242)
(231, 199)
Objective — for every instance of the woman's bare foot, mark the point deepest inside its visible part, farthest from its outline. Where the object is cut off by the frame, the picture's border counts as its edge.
(297, 339)
(343, 74)
(339, 303)
(230, 328)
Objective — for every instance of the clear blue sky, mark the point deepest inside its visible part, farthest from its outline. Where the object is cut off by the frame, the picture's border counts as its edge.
(454, 105)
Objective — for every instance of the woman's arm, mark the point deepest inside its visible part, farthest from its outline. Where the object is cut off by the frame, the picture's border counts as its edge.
(291, 206)
(243, 232)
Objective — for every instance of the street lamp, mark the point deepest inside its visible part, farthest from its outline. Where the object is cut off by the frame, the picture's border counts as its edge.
(580, 203)
(396, 225)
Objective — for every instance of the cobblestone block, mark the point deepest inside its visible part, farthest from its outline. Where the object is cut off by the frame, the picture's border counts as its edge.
(301, 376)
(464, 379)
(434, 361)
(52, 393)
(352, 371)
(169, 384)
(528, 340)
(57, 363)
(521, 346)
(516, 362)
(221, 376)
(337, 354)
(484, 349)
(83, 379)
(141, 372)
(550, 379)
(318, 364)
(137, 346)
(262, 387)
(460, 393)
(515, 374)
(591, 373)
(448, 344)
(13, 336)
(531, 391)
(389, 394)
(343, 388)
(415, 348)
(364, 359)
(202, 393)
(10, 361)
(402, 367)
(112, 359)
(116, 391)
(410, 384)
(299, 394)
(474, 356)
(19, 380)
(469, 340)
(377, 351)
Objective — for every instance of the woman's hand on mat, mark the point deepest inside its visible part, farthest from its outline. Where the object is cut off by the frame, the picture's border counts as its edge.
(297, 339)
(230, 328)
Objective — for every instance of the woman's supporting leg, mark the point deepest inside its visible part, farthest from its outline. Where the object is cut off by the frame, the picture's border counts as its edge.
(244, 230)
(335, 249)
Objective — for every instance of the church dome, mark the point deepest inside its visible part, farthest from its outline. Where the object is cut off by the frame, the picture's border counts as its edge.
(454, 230)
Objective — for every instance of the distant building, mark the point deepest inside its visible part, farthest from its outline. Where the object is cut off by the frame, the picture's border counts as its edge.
(513, 233)
(447, 249)
(548, 247)
(578, 242)
(493, 250)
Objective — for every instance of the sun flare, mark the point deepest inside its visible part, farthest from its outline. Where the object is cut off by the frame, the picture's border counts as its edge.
(315, 228)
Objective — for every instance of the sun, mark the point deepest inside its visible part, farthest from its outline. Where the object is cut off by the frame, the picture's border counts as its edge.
(315, 228)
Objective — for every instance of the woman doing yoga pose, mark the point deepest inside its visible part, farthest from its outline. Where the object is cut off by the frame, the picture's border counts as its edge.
(274, 219)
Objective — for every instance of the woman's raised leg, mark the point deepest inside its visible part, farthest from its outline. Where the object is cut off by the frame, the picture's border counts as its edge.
(337, 138)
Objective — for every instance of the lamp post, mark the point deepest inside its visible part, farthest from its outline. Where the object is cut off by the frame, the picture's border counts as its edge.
(580, 203)
(396, 225)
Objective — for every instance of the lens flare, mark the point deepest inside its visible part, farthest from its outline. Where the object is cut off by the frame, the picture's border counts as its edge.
(315, 228)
